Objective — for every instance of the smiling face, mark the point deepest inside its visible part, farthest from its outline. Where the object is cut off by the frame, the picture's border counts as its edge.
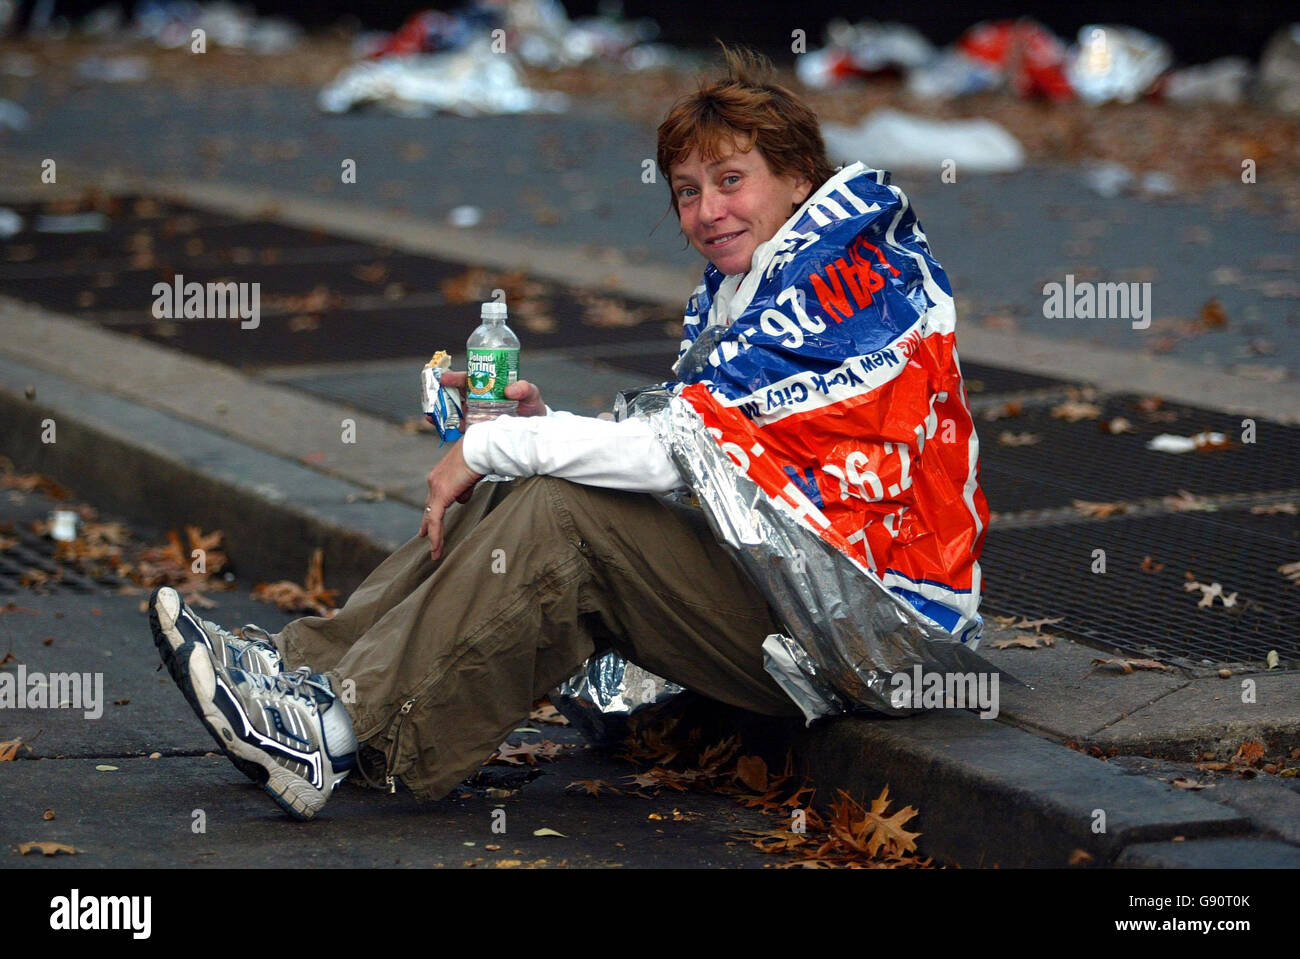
(730, 206)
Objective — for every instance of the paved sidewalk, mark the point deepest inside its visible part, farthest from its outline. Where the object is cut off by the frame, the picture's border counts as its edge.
(146, 430)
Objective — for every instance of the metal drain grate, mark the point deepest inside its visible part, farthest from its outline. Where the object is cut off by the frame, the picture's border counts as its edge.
(35, 553)
(1079, 461)
(1047, 572)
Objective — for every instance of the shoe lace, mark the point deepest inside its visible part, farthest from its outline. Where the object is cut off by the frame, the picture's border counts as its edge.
(253, 636)
(297, 684)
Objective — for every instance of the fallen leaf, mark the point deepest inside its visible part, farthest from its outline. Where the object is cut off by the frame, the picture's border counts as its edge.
(1073, 411)
(1270, 510)
(1098, 510)
(1116, 426)
(311, 597)
(47, 848)
(1007, 438)
(1128, 665)
(1025, 642)
(752, 771)
(1183, 783)
(546, 713)
(1209, 593)
(1005, 411)
(1214, 767)
(47, 815)
(9, 750)
(1148, 565)
(592, 787)
(106, 768)
(1248, 754)
(548, 832)
(1212, 316)
(1080, 858)
(1291, 571)
(1188, 502)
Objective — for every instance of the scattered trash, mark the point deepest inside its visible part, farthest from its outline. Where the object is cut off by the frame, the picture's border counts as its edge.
(1222, 81)
(1108, 180)
(1291, 571)
(1116, 63)
(1168, 443)
(952, 74)
(862, 50)
(1279, 70)
(1271, 660)
(464, 217)
(63, 525)
(1030, 58)
(472, 81)
(891, 139)
(548, 832)
(171, 24)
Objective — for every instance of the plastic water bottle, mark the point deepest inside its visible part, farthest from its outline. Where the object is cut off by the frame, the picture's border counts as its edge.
(492, 362)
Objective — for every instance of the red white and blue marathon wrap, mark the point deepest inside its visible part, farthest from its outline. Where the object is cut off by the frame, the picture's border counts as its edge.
(835, 386)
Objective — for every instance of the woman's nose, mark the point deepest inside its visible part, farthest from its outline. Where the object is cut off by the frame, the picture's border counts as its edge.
(712, 206)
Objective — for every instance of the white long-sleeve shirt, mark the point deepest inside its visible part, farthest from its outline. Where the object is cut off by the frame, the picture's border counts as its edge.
(582, 449)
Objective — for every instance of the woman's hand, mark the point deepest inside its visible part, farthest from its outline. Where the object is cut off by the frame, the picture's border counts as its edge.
(527, 394)
(451, 481)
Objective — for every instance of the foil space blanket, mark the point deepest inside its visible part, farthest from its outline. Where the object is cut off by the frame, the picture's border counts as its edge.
(821, 421)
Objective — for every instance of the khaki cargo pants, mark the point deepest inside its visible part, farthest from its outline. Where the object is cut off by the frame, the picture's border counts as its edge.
(439, 662)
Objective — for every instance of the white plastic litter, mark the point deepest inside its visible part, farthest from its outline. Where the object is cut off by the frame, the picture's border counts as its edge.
(952, 74)
(1116, 63)
(891, 139)
(465, 216)
(11, 224)
(470, 82)
(1279, 69)
(1168, 443)
(1108, 179)
(1223, 81)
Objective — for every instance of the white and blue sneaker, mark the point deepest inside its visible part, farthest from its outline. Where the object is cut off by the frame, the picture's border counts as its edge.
(290, 728)
(174, 624)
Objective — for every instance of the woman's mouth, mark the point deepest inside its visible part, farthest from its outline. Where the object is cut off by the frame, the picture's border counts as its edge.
(720, 241)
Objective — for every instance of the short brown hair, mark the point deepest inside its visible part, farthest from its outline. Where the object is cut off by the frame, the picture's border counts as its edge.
(742, 107)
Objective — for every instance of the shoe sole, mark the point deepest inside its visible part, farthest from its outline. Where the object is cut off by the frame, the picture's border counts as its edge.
(291, 793)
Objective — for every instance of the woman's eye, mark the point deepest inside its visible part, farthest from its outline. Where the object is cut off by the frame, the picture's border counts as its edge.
(731, 176)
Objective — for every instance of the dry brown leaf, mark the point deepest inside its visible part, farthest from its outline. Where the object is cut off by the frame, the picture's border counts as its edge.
(1248, 754)
(311, 597)
(1080, 857)
(1181, 782)
(1209, 593)
(1005, 411)
(1025, 642)
(47, 848)
(1289, 508)
(1117, 425)
(544, 712)
(1098, 510)
(1008, 438)
(752, 771)
(9, 749)
(1073, 411)
(1291, 571)
(1128, 665)
(1188, 502)
(1148, 565)
(592, 787)
(1212, 315)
